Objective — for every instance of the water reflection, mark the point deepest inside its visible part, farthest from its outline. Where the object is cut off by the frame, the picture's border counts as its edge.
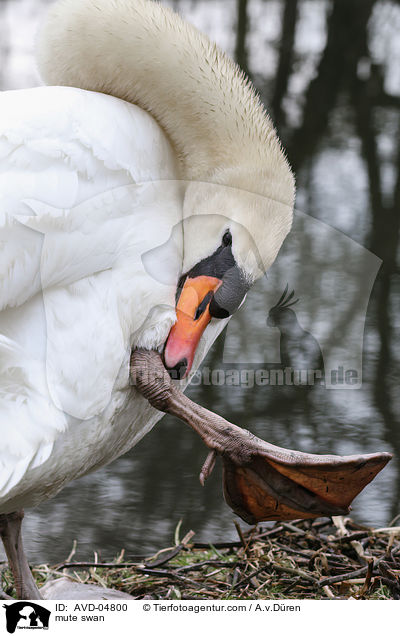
(329, 72)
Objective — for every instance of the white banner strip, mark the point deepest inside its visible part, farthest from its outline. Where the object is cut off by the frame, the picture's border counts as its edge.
(192, 617)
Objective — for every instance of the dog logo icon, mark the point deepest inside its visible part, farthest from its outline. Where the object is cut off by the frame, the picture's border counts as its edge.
(26, 615)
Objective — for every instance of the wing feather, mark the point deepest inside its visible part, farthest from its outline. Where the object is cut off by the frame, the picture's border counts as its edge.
(80, 176)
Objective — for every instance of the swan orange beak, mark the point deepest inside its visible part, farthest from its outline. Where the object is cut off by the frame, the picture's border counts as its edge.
(193, 316)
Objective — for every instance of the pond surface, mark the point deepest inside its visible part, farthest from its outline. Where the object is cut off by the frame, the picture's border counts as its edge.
(331, 80)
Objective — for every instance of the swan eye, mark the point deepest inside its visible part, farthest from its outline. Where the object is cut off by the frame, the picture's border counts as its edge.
(227, 238)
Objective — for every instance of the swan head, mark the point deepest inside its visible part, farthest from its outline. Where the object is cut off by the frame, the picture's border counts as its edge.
(231, 237)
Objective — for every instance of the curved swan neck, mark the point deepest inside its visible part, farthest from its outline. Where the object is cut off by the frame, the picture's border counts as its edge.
(145, 54)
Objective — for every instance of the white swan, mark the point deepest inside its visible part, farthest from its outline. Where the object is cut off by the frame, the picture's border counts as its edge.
(103, 206)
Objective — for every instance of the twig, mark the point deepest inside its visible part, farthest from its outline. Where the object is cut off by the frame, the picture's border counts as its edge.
(354, 574)
(241, 537)
(354, 536)
(388, 530)
(292, 528)
(72, 553)
(198, 566)
(220, 545)
(171, 574)
(328, 591)
(331, 580)
(174, 551)
(177, 529)
(393, 521)
(293, 571)
(368, 577)
(91, 564)
(249, 576)
(278, 568)
(269, 533)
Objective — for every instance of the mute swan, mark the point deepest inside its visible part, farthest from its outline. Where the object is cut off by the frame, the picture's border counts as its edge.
(148, 166)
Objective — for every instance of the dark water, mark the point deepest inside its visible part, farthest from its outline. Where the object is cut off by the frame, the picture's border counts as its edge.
(329, 73)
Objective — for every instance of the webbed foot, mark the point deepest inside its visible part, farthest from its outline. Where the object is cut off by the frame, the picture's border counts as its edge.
(261, 481)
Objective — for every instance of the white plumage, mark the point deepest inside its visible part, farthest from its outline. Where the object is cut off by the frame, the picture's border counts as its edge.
(90, 185)
(82, 198)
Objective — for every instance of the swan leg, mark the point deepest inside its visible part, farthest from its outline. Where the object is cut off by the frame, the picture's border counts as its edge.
(261, 481)
(10, 532)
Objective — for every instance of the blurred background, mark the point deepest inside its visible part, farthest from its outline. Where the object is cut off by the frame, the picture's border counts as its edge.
(328, 72)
